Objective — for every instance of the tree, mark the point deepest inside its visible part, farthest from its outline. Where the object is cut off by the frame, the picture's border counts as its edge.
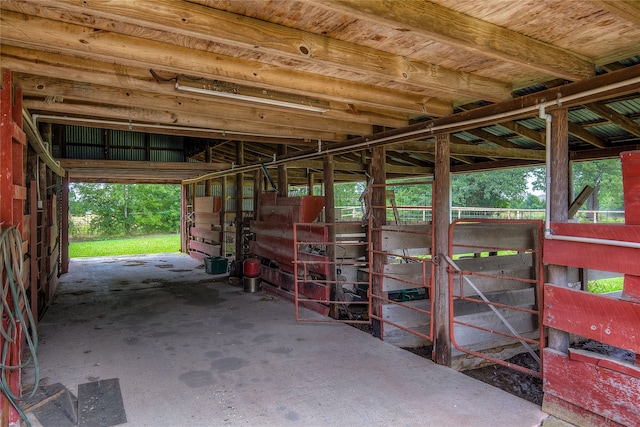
(605, 176)
(122, 210)
(494, 189)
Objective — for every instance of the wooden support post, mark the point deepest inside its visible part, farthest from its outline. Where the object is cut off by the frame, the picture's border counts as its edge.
(64, 235)
(283, 181)
(310, 183)
(184, 226)
(558, 192)
(378, 198)
(442, 220)
(239, 201)
(257, 189)
(224, 182)
(33, 249)
(330, 219)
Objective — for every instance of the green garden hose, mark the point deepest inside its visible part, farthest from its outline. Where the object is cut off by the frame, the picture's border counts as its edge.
(15, 304)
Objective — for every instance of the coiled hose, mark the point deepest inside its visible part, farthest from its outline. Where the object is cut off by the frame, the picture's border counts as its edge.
(15, 304)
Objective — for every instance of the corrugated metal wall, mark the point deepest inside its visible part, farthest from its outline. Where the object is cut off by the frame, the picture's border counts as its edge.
(100, 144)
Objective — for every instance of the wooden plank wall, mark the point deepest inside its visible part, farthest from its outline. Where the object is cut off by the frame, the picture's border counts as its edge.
(273, 243)
(487, 259)
(205, 234)
(273, 229)
(406, 276)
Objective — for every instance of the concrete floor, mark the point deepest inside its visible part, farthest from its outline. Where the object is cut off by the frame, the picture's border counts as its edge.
(191, 351)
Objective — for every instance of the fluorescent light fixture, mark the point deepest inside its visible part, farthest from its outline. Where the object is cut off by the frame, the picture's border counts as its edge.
(267, 101)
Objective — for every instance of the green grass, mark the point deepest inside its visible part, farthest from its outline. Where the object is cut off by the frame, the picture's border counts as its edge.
(127, 246)
(606, 285)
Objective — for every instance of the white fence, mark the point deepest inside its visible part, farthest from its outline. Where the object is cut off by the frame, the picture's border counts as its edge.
(423, 214)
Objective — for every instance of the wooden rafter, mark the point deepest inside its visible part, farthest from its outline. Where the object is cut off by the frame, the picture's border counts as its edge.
(158, 18)
(449, 27)
(216, 110)
(614, 117)
(64, 38)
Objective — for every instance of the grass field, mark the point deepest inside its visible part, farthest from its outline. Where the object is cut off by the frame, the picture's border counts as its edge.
(606, 285)
(127, 246)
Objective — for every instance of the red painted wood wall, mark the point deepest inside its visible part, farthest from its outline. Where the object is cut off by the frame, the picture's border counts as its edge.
(13, 195)
(584, 387)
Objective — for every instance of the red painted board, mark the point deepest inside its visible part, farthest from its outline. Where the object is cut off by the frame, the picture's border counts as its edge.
(310, 208)
(281, 251)
(631, 289)
(605, 319)
(596, 257)
(305, 233)
(311, 290)
(268, 198)
(598, 389)
(621, 232)
(298, 200)
(631, 185)
(282, 214)
(317, 307)
(608, 362)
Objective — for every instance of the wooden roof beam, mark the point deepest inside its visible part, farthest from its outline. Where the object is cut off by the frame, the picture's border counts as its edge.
(450, 27)
(76, 40)
(521, 130)
(494, 139)
(614, 117)
(580, 132)
(471, 150)
(168, 118)
(68, 90)
(57, 66)
(160, 23)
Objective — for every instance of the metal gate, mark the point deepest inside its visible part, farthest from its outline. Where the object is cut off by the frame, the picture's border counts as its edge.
(496, 280)
(328, 276)
(401, 280)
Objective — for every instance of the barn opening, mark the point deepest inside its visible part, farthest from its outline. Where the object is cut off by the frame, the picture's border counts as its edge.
(374, 93)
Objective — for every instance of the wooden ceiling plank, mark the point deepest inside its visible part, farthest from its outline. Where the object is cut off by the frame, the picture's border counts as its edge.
(171, 19)
(453, 28)
(626, 9)
(131, 51)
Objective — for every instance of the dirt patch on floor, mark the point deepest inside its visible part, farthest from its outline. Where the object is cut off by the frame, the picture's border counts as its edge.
(518, 383)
